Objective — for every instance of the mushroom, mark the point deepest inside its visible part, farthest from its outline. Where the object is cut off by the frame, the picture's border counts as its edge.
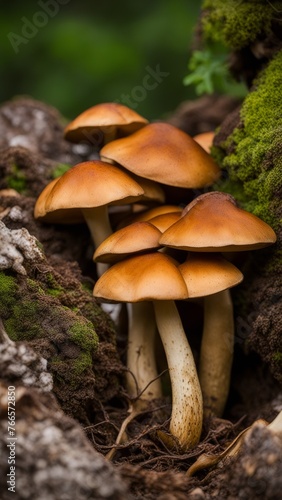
(205, 139)
(164, 221)
(148, 214)
(214, 223)
(88, 187)
(166, 154)
(136, 238)
(142, 380)
(104, 122)
(211, 276)
(70, 216)
(155, 277)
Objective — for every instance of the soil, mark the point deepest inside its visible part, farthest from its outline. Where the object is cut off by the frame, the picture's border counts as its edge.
(31, 137)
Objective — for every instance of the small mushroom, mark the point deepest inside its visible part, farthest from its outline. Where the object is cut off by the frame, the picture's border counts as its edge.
(143, 383)
(214, 223)
(155, 277)
(89, 187)
(166, 154)
(147, 214)
(205, 139)
(135, 239)
(211, 276)
(103, 123)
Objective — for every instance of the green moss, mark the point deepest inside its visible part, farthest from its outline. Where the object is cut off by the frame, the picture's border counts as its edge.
(52, 286)
(17, 179)
(84, 335)
(254, 152)
(60, 169)
(82, 363)
(277, 357)
(31, 310)
(34, 287)
(22, 325)
(238, 23)
(8, 291)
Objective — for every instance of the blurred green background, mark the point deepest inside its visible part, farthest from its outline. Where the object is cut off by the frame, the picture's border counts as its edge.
(73, 54)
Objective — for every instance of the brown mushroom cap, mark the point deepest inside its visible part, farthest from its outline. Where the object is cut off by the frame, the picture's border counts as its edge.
(164, 221)
(106, 120)
(205, 140)
(213, 222)
(206, 274)
(91, 184)
(135, 238)
(153, 193)
(166, 154)
(147, 214)
(71, 216)
(153, 276)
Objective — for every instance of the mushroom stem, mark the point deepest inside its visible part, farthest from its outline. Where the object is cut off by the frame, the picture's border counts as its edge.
(187, 405)
(216, 352)
(141, 352)
(98, 222)
(142, 372)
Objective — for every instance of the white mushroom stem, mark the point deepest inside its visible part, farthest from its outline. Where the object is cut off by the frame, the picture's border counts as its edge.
(141, 362)
(216, 352)
(142, 371)
(187, 405)
(98, 222)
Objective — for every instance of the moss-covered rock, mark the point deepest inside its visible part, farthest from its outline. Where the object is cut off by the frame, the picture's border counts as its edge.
(237, 23)
(251, 31)
(67, 338)
(250, 154)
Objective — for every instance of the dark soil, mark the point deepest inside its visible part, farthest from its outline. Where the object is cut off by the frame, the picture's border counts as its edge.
(31, 137)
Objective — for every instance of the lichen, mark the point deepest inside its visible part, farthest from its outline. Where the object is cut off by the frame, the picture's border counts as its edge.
(17, 245)
(237, 23)
(253, 152)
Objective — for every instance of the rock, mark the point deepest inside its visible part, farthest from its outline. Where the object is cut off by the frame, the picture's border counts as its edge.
(256, 473)
(51, 454)
(53, 458)
(17, 245)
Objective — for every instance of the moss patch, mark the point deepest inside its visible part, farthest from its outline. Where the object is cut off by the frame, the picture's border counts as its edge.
(235, 23)
(59, 320)
(17, 179)
(8, 291)
(60, 169)
(252, 154)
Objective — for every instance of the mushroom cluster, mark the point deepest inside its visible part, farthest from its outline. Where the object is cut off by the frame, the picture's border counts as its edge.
(159, 253)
